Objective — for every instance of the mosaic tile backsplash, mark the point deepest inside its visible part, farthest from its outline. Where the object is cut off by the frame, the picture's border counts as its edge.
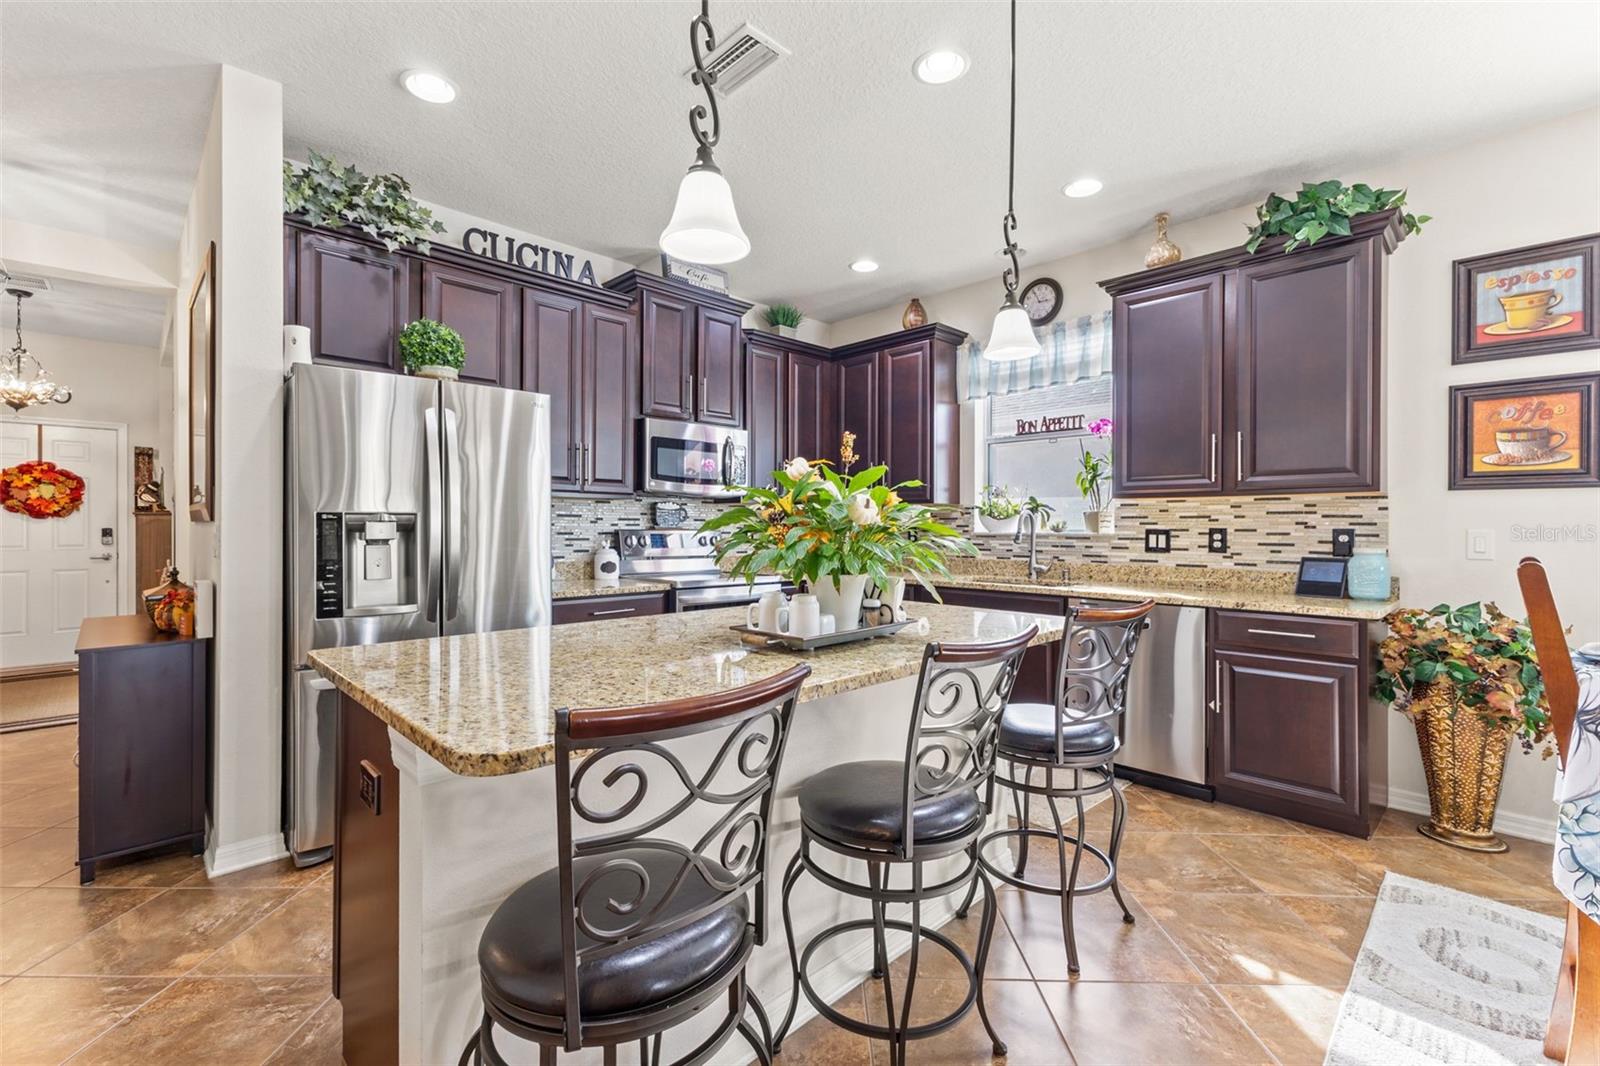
(576, 524)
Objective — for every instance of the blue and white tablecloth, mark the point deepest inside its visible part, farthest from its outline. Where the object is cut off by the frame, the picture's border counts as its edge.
(1577, 858)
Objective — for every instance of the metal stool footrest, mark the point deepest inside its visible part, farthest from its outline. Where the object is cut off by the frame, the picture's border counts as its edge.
(1033, 886)
(884, 1032)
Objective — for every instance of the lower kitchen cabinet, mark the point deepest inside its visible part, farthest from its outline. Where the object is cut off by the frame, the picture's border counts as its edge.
(1036, 680)
(1289, 732)
(601, 608)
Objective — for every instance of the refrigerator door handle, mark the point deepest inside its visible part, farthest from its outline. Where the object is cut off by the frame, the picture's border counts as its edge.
(452, 525)
(435, 503)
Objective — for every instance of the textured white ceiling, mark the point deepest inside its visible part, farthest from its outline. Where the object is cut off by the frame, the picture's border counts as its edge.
(572, 118)
(84, 309)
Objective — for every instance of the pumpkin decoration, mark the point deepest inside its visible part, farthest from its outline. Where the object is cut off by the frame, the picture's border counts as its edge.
(170, 604)
(40, 489)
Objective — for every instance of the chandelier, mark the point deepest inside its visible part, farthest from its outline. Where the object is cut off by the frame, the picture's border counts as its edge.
(23, 382)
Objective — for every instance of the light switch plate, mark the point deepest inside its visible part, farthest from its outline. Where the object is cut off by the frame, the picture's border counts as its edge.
(1158, 541)
(1480, 544)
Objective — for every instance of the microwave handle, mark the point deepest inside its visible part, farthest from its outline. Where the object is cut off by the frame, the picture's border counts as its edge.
(727, 461)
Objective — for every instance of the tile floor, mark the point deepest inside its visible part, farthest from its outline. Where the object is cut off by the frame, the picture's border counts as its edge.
(1246, 931)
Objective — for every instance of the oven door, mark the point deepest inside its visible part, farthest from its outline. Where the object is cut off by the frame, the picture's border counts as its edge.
(689, 459)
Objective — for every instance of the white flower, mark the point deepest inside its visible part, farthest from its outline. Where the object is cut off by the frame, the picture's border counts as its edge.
(797, 468)
(861, 509)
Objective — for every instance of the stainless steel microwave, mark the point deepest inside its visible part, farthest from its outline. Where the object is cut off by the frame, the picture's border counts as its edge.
(692, 459)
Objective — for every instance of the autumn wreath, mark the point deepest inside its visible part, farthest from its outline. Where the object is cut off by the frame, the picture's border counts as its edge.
(40, 490)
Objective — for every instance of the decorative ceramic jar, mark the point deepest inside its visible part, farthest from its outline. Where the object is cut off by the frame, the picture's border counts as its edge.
(1163, 252)
(1005, 526)
(914, 316)
(841, 596)
(1367, 576)
(1091, 521)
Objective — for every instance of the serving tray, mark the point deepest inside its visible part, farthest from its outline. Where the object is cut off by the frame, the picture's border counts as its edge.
(762, 639)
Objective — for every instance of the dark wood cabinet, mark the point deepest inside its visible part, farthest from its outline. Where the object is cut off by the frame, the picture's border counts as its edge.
(603, 608)
(1290, 731)
(767, 409)
(610, 353)
(552, 363)
(790, 391)
(719, 357)
(904, 433)
(143, 719)
(857, 404)
(691, 349)
(667, 376)
(810, 412)
(1305, 385)
(1253, 374)
(1036, 679)
(898, 395)
(351, 295)
(484, 311)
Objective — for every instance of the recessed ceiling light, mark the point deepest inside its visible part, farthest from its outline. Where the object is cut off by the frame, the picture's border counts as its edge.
(864, 266)
(939, 66)
(426, 85)
(1082, 187)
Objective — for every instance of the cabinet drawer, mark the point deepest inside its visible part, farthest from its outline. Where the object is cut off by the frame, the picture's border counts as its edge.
(600, 608)
(1335, 638)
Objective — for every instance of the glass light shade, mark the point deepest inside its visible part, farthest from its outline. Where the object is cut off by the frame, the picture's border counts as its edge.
(24, 383)
(705, 227)
(1012, 336)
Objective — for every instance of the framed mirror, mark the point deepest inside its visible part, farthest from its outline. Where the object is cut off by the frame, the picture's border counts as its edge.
(203, 387)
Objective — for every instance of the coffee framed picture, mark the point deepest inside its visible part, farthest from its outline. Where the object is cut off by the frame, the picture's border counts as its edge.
(1531, 433)
(1527, 301)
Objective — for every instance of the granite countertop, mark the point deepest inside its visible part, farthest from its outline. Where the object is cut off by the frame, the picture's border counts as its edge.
(484, 704)
(573, 588)
(1232, 588)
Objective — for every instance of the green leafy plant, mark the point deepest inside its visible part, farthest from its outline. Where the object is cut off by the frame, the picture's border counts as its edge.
(1323, 208)
(815, 523)
(1040, 510)
(784, 315)
(429, 343)
(329, 195)
(998, 503)
(1094, 473)
(1484, 654)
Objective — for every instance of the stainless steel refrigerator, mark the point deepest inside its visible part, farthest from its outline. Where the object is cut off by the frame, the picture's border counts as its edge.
(413, 508)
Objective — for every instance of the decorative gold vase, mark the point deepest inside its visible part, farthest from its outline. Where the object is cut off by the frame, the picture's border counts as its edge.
(1464, 758)
(914, 315)
(1163, 252)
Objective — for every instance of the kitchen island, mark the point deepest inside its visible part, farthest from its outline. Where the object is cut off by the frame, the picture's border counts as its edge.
(446, 799)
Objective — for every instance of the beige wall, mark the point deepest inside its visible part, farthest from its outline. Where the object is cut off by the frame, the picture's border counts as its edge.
(1540, 184)
(110, 383)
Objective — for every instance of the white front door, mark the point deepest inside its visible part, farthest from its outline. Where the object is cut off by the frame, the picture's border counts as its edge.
(55, 572)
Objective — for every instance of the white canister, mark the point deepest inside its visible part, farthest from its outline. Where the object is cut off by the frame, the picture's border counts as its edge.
(607, 564)
(805, 616)
(296, 346)
(769, 614)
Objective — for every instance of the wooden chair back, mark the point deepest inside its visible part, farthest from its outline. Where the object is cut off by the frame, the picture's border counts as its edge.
(1550, 640)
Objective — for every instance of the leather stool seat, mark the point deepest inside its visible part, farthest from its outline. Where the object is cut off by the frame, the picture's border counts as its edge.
(520, 952)
(1030, 729)
(863, 803)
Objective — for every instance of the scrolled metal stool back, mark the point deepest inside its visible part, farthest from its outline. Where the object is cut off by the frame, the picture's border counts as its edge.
(955, 723)
(1096, 659)
(604, 763)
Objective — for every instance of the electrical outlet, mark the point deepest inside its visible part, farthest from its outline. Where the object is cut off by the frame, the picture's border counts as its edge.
(1158, 541)
(1217, 540)
(371, 786)
(1344, 543)
(1480, 544)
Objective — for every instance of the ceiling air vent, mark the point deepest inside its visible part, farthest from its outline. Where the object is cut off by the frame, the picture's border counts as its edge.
(740, 56)
(30, 282)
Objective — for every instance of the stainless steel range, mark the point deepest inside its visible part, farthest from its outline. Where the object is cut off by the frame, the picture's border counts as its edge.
(683, 559)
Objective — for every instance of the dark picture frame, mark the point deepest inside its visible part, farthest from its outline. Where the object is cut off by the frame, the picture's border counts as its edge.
(1507, 306)
(203, 389)
(1500, 429)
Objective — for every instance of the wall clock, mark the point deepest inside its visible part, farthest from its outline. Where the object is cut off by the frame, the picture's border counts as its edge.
(1042, 300)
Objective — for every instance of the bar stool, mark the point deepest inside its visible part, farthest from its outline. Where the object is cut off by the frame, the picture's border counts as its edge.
(1077, 735)
(892, 813)
(634, 932)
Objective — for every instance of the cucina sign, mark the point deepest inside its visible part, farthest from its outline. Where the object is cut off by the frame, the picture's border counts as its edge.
(526, 255)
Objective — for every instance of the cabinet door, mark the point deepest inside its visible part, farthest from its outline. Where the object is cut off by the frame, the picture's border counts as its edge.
(353, 298)
(552, 363)
(1036, 680)
(1304, 381)
(810, 404)
(609, 355)
(667, 378)
(1286, 737)
(1167, 389)
(904, 427)
(766, 412)
(484, 311)
(858, 405)
(719, 344)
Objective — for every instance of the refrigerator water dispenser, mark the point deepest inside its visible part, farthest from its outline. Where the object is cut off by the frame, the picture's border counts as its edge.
(379, 563)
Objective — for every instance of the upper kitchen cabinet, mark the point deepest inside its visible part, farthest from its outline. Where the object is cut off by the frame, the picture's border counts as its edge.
(611, 354)
(767, 407)
(1253, 374)
(691, 350)
(485, 311)
(351, 295)
(789, 401)
(552, 363)
(856, 403)
(810, 423)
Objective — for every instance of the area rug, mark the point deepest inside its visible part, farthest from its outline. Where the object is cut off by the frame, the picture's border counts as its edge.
(39, 701)
(1447, 977)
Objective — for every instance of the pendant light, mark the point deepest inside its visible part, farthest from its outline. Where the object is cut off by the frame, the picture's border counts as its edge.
(705, 227)
(23, 382)
(1012, 336)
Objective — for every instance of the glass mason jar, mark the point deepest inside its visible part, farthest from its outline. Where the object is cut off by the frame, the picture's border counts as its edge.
(1368, 575)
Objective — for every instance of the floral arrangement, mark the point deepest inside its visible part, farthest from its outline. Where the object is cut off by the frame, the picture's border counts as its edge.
(1486, 656)
(429, 343)
(40, 489)
(1094, 471)
(998, 502)
(174, 612)
(815, 523)
(329, 195)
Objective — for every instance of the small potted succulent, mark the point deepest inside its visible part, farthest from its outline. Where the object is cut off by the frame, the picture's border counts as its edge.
(431, 349)
(998, 510)
(785, 319)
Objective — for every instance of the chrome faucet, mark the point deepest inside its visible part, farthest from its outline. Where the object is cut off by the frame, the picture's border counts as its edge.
(1034, 569)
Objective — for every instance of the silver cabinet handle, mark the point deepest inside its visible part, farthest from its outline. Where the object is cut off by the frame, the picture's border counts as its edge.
(1212, 469)
(1238, 455)
(613, 610)
(705, 390)
(1216, 686)
(684, 399)
(1281, 633)
(588, 463)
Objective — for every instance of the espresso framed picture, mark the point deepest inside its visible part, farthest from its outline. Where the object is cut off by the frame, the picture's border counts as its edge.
(1527, 301)
(1532, 433)
(203, 388)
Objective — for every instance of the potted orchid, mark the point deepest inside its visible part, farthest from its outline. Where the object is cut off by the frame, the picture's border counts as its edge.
(999, 510)
(830, 535)
(1094, 476)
